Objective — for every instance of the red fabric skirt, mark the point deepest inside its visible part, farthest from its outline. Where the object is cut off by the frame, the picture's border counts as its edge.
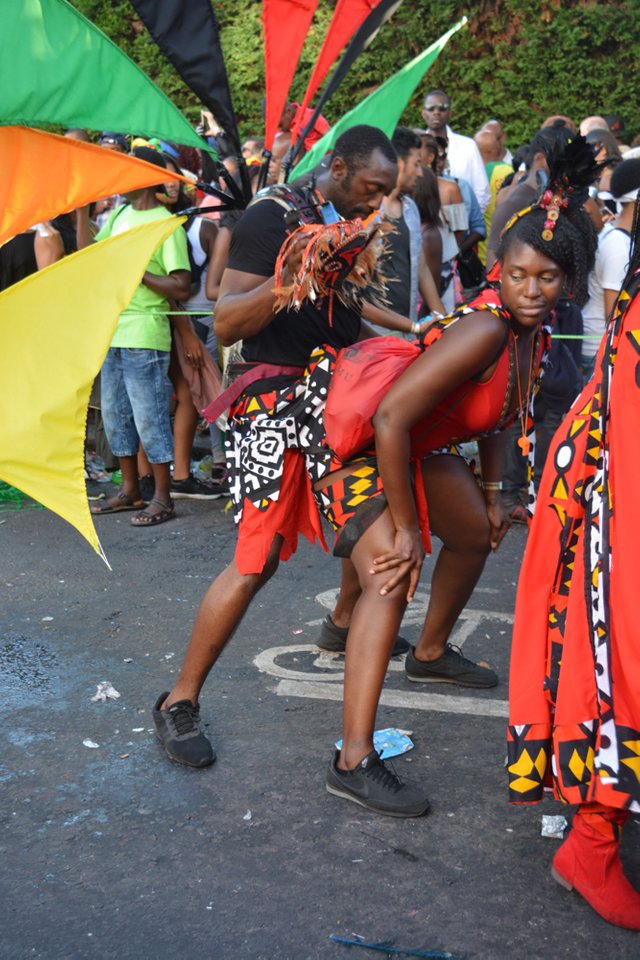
(294, 512)
(574, 714)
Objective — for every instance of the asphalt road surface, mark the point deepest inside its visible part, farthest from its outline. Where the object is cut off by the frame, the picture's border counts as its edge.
(112, 851)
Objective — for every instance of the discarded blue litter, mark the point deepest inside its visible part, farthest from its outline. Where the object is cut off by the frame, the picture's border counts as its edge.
(393, 951)
(389, 742)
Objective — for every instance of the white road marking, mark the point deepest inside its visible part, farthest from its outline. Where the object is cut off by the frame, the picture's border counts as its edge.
(327, 599)
(266, 663)
(468, 622)
(394, 698)
(324, 680)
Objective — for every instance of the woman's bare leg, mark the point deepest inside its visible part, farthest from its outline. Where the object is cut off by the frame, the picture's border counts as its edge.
(458, 516)
(357, 773)
(374, 626)
(348, 595)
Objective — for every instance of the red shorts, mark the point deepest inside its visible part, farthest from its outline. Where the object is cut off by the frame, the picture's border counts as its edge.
(355, 501)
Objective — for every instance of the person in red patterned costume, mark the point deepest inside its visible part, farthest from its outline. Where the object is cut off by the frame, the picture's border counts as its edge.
(574, 693)
(475, 375)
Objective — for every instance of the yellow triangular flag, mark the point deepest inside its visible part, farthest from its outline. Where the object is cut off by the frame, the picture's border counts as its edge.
(55, 330)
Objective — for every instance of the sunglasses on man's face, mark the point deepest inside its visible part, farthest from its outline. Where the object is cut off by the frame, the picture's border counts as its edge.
(440, 107)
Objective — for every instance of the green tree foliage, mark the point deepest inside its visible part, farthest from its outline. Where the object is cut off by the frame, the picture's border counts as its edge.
(517, 60)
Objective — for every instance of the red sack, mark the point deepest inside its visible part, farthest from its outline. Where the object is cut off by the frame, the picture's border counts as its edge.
(362, 375)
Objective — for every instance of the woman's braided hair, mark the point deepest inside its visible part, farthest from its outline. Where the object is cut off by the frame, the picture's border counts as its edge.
(569, 238)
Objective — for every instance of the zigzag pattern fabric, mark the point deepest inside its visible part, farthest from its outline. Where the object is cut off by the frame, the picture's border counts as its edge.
(575, 668)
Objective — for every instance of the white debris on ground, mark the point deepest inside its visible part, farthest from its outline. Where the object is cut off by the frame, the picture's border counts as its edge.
(104, 692)
(553, 827)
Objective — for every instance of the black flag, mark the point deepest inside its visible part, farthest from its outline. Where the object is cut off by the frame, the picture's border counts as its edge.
(187, 32)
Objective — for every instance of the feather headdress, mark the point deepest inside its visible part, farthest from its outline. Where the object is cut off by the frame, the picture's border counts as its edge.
(338, 260)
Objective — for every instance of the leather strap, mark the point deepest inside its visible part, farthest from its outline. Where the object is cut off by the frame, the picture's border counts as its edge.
(258, 371)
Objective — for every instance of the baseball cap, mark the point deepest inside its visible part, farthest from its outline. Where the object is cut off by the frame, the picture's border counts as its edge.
(616, 124)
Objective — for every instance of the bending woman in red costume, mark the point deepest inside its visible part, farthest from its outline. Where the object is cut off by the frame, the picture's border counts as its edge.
(574, 697)
(473, 379)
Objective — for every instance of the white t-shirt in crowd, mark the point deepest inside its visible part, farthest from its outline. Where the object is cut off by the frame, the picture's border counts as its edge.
(465, 161)
(612, 261)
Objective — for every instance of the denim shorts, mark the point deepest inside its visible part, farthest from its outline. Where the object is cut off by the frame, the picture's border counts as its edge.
(135, 402)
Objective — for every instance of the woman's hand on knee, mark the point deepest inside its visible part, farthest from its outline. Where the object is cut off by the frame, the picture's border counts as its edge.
(405, 560)
(498, 523)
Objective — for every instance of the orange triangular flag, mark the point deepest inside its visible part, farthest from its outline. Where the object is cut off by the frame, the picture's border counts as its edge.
(44, 175)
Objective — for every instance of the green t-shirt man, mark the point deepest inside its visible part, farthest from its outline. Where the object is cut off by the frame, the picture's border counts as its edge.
(144, 323)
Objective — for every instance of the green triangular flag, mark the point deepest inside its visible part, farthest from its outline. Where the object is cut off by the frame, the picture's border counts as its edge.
(57, 67)
(382, 108)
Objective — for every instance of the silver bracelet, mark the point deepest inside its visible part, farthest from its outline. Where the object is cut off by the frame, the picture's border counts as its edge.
(416, 327)
(492, 485)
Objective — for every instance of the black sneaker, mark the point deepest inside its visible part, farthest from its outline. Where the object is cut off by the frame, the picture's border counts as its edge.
(334, 639)
(451, 667)
(194, 489)
(179, 730)
(374, 786)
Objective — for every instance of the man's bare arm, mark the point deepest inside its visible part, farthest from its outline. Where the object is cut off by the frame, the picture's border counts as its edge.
(245, 306)
(246, 302)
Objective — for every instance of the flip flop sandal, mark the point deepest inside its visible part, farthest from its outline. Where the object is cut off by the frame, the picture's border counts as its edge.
(146, 519)
(125, 503)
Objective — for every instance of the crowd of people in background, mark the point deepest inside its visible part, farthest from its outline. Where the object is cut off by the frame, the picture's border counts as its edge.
(453, 197)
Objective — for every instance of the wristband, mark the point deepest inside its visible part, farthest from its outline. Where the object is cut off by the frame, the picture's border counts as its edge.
(497, 485)
(416, 327)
